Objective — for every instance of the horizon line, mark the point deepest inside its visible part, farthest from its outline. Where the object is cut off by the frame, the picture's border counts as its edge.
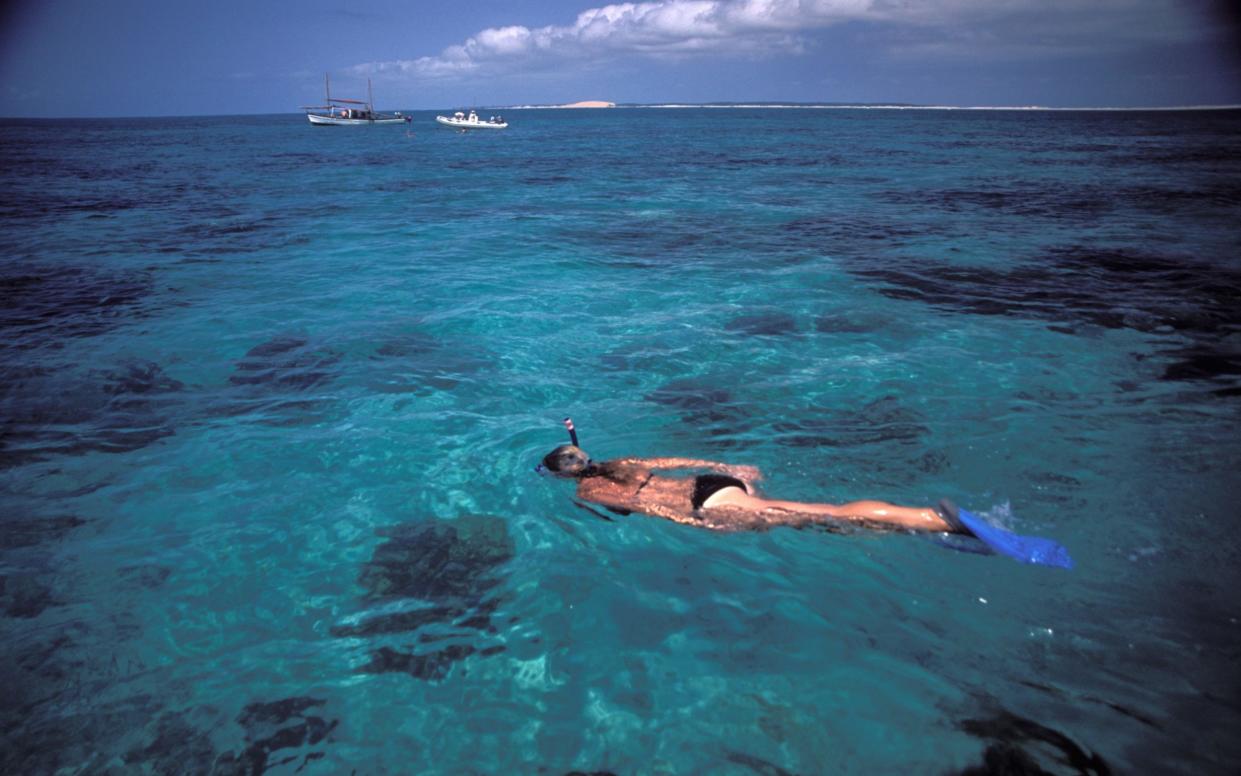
(869, 106)
(707, 105)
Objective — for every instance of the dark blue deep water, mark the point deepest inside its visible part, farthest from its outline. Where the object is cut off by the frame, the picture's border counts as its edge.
(271, 395)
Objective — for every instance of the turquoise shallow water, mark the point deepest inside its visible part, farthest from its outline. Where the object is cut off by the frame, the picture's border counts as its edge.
(272, 395)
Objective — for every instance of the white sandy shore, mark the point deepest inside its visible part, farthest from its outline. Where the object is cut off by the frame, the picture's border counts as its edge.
(582, 104)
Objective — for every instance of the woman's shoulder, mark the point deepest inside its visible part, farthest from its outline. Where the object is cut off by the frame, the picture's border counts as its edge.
(622, 467)
(619, 472)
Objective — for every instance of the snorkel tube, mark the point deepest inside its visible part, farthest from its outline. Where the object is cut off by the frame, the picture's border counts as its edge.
(568, 424)
(543, 470)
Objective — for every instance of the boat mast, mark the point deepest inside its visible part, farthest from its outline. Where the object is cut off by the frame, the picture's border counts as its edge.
(370, 100)
(327, 88)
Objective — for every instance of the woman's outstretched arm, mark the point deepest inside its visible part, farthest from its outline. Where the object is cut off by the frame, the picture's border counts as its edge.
(747, 474)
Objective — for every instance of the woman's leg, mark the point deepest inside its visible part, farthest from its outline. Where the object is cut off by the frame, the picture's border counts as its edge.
(909, 518)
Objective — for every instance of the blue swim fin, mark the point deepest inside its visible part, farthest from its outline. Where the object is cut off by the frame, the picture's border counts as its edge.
(1027, 549)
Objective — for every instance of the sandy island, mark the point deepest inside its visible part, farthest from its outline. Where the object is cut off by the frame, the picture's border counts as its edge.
(590, 104)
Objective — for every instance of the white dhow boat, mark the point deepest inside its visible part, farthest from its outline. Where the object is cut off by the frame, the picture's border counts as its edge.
(461, 121)
(340, 112)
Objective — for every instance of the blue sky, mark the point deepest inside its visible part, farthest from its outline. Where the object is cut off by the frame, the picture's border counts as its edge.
(167, 57)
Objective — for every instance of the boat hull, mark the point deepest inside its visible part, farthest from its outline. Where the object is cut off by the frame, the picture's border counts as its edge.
(462, 124)
(337, 121)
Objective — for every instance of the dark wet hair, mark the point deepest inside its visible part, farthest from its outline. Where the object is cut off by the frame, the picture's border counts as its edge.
(568, 460)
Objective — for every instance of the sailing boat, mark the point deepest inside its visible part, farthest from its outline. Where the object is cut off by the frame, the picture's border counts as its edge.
(342, 112)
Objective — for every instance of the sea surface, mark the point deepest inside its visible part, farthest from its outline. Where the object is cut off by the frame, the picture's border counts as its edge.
(272, 396)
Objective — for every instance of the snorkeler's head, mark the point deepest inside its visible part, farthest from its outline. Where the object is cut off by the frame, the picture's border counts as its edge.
(567, 461)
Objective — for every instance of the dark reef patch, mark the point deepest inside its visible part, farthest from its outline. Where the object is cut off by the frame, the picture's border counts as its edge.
(29, 202)
(439, 560)
(39, 736)
(132, 382)
(881, 421)
(853, 233)
(45, 304)
(148, 576)
(24, 596)
(1054, 487)
(1121, 709)
(1107, 288)
(712, 411)
(411, 345)
(756, 764)
(1005, 760)
(933, 462)
(652, 243)
(1020, 746)
(51, 740)
(431, 666)
(285, 363)
(274, 726)
(61, 413)
(848, 323)
(276, 381)
(1203, 362)
(177, 745)
(1078, 287)
(258, 716)
(692, 395)
(766, 324)
(227, 231)
(431, 581)
(1052, 202)
(418, 363)
(1165, 201)
(30, 531)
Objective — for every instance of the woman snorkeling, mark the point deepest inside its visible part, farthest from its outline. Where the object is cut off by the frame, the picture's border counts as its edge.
(726, 500)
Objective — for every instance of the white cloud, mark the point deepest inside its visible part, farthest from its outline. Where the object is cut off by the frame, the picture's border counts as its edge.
(684, 28)
(663, 28)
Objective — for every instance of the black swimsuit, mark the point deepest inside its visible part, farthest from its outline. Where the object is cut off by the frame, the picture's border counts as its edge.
(707, 485)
